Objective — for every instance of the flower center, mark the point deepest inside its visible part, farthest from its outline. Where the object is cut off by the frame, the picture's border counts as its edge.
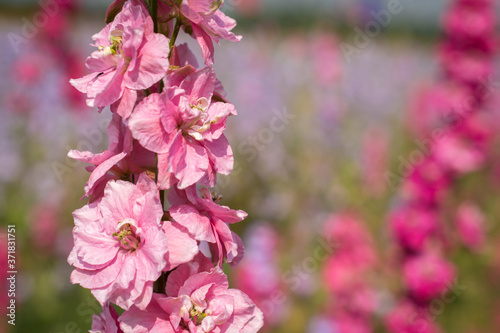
(197, 316)
(114, 48)
(202, 122)
(126, 234)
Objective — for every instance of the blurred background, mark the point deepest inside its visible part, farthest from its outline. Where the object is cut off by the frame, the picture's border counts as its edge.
(335, 103)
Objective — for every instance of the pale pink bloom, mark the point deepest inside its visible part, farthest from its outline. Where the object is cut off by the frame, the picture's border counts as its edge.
(131, 57)
(207, 221)
(428, 275)
(412, 227)
(207, 23)
(124, 159)
(120, 247)
(457, 154)
(185, 127)
(197, 300)
(406, 317)
(106, 322)
(470, 224)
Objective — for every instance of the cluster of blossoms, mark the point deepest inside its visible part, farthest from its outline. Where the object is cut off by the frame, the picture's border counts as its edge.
(351, 294)
(451, 120)
(166, 148)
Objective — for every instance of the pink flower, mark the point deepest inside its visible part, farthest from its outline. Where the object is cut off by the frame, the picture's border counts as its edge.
(427, 276)
(207, 24)
(207, 221)
(458, 154)
(406, 317)
(465, 22)
(351, 239)
(185, 127)
(106, 322)
(131, 57)
(412, 227)
(124, 159)
(470, 223)
(427, 182)
(120, 248)
(198, 300)
(44, 228)
(259, 276)
(375, 160)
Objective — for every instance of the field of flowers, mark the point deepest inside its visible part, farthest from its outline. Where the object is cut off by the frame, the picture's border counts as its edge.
(368, 165)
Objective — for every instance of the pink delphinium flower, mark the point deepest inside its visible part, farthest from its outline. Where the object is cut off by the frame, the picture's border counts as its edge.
(207, 23)
(412, 227)
(406, 317)
(123, 159)
(470, 225)
(120, 248)
(131, 57)
(197, 300)
(185, 127)
(106, 322)
(428, 275)
(207, 221)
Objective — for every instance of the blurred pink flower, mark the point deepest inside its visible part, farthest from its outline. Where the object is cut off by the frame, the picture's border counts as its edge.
(259, 276)
(470, 224)
(413, 226)
(427, 182)
(351, 239)
(467, 20)
(458, 154)
(406, 317)
(428, 275)
(375, 160)
(326, 59)
(44, 228)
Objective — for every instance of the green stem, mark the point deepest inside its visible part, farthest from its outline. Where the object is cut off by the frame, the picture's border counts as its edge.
(177, 27)
(154, 14)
